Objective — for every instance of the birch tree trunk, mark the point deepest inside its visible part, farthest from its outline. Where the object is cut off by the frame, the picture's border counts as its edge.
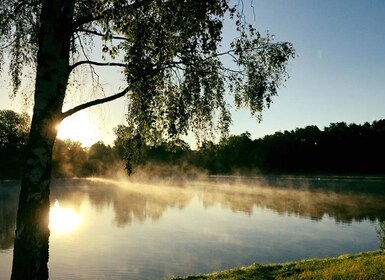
(30, 260)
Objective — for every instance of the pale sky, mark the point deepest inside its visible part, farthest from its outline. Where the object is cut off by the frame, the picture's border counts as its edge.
(338, 74)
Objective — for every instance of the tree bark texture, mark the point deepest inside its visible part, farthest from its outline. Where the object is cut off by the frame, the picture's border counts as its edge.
(30, 260)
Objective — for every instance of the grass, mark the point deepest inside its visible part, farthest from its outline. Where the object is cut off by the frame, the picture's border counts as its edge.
(369, 265)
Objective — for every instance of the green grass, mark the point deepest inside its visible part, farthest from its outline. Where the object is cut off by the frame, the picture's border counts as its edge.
(370, 265)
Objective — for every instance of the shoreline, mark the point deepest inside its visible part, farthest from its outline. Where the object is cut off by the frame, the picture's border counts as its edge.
(365, 265)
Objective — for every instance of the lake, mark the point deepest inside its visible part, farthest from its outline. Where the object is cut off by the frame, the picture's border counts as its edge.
(116, 229)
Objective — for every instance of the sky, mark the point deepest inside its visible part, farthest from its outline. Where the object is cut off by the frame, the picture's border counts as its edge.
(338, 74)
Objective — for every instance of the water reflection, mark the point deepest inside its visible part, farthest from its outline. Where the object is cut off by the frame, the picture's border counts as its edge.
(8, 206)
(380, 230)
(62, 219)
(345, 200)
(130, 201)
(157, 230)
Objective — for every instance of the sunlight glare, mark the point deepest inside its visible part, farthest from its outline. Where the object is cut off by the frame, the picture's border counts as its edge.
(63, 220)
(78, 127)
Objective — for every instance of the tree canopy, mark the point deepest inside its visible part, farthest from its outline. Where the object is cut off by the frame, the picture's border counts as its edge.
(13, 138)
(13, 129)
(170, 53)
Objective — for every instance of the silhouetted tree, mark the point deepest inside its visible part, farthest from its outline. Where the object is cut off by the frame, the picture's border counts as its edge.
(101, 160)
(340, 148)
(235, 153)
(13, 138)
(376, 149)
(206, 157)
(68, 159)
(135, 153)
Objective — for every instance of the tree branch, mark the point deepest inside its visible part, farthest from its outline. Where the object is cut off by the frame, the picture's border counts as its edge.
(93, 103)
(93, 32)
(90, 18)
(86, 19)
(90, 62)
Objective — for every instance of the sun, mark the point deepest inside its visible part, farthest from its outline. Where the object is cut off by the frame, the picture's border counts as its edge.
(78, 127)
(63, 220)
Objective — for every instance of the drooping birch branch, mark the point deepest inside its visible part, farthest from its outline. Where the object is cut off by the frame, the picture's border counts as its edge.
(94, 103)
(96, 63)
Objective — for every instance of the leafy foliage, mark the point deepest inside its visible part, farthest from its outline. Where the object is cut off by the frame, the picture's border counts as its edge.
(18, 36)
(14, 129)
(171, 55)
(178, 80)
(68, 159)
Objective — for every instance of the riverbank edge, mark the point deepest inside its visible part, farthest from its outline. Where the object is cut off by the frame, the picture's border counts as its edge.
(360, 266)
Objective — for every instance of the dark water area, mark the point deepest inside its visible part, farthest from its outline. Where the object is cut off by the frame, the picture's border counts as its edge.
(115, 229)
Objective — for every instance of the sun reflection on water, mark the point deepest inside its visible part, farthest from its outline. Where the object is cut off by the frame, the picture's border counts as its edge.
(62, 219)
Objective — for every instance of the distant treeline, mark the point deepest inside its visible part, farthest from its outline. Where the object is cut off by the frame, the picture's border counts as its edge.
(339, 148)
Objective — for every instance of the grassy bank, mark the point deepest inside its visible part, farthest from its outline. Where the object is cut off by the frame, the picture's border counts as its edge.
(370, 265)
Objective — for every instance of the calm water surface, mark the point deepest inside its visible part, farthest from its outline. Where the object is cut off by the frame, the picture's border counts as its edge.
(106, 229)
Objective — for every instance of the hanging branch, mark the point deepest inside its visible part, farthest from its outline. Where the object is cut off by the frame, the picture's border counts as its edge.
(93, 103)
(96, 63)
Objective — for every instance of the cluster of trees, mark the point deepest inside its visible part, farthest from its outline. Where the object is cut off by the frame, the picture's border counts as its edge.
(339, 148)
(13, 138)
(69, 158)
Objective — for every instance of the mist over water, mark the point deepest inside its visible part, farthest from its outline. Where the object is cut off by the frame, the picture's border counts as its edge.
(145, 228)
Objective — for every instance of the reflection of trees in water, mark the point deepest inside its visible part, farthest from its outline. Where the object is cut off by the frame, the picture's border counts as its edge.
(380, 229)
(8, 207)
(345, 201)
(134, 201)
(142, 202)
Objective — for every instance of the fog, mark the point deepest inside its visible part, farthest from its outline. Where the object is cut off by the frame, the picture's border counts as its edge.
(142, 197)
